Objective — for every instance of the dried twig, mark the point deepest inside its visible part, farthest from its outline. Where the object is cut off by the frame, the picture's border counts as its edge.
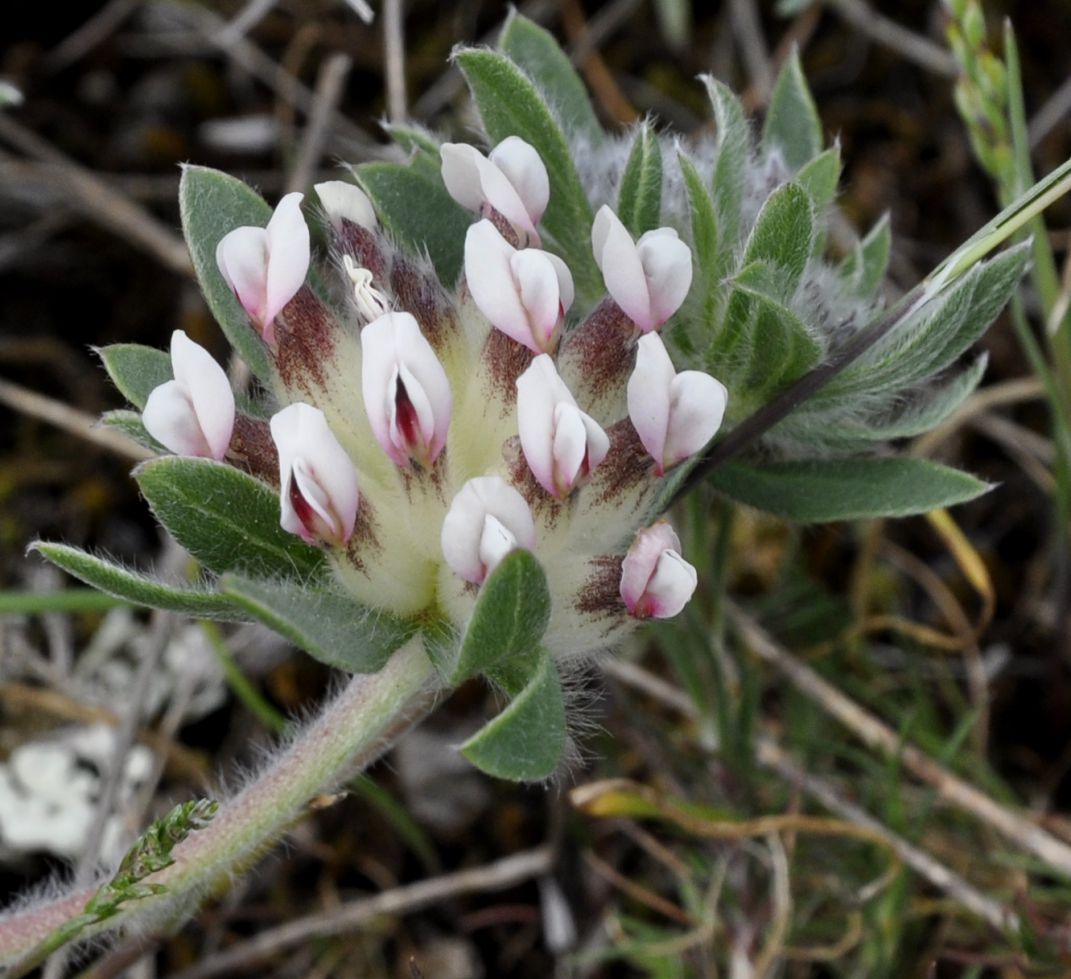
(877, 735)
(394, 57)
(505, 873)
(772, 756)
(908, 44)
(329, 86)
(88, 35)
(71, 420)
(747, 28)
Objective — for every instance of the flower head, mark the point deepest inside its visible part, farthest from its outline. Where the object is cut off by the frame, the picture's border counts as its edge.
(487, 519)
(561, 443)
(317, 481)
(406, 393)
(650, 278)
(656, 582)
(267, 266)
(512, 181)
(674, 415)
(524, 293)
(193, 414)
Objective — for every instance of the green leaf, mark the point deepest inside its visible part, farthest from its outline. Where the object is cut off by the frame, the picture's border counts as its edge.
(707, 294)
(328, 625)
(846, 489)
(539, 55)
(511, 105)
(782, 349)
(524, 743)
(730, 165)
(212, 204)
(509, 619)
(130, 424)
(820, 178)
(864, 269)
(639, 201)
(415, 139)
(783, 234)
(225, 518)
(413, 205)
(792, 124)
(137, 588)
(135, 370)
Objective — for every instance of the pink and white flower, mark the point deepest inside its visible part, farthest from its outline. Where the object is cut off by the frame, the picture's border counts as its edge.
(674, 415)
(513, 181)
(406, 392)
(561, 443)
(487, 519)
(267, 266)
(193, 414)
(524, 293)
(344, 201)
(318, 493)
(656, 582)
(650, 278)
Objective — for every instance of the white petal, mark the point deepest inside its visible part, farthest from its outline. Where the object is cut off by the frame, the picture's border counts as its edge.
(539, 390)
(461, 175)
(503, 197)
(520, 162)
(496, 542)
(667, 265)
(566, 291)
(463, 534)
(288, 254)
(648, 395)
(622, 271)
(170, 419)
(569, 447)
(323, 471)
(671, 586)
(490, 280)
(242, 257)
(345, 201)
(208, 389)
(537, 282)
(697, 406)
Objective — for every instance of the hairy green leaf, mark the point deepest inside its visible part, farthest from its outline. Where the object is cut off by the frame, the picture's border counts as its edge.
(138, 588)
(328, 625)
(864, 269)
(413, 204)
(135, 370)
(212, 204)
(846, 489)
(783, 235)
(539, 55)
(792, 123)
(511, 105)
(509, 619)
(707, 295)
(225, 518)
(730, 165)
(524, 743)
(639, 201)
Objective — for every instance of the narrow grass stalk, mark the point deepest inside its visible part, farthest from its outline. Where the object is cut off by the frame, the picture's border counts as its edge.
(360, 723)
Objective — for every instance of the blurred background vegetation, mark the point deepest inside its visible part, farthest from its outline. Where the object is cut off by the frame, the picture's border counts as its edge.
(837, 762)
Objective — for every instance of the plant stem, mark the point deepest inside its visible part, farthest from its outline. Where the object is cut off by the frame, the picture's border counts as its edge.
(352, 731)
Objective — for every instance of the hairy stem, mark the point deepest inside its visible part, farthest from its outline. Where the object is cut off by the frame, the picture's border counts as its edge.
(349, 733)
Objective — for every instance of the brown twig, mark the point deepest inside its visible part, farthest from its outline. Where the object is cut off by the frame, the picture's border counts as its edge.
(911, 46)
(498, 876)
(879, 736)
(79, 423)
(394, 59)
(329, 86)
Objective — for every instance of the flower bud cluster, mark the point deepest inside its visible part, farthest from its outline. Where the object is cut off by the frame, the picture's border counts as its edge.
(426, 435)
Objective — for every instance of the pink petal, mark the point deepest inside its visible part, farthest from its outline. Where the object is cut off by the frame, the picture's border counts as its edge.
(671, 586)
(470, 541)
(538, 391)
(648, 395)
(288, 255)
(667, 265)
(524, 168)
(622, 271)
(490, 281)
(537, 282)
(655, 579)
(242, 257)
(461, 174)
(208, 389)
(170, 419)
(697, 406)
